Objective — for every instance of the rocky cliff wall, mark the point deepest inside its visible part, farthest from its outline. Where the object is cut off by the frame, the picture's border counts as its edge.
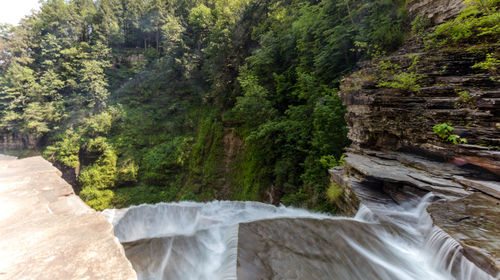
(395, 153)
(47, 232)
(17, 143)
(438, 11)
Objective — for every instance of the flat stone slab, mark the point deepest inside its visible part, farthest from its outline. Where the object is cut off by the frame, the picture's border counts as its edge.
(47, 232)
(394, 171)
(489, 187)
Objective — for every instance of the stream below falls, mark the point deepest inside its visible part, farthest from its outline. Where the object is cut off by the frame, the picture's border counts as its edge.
(251, 240)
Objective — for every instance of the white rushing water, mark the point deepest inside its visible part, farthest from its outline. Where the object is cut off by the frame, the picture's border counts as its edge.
(189, 240)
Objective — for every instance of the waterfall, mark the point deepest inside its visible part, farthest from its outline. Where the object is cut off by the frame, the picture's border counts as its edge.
(188, 240)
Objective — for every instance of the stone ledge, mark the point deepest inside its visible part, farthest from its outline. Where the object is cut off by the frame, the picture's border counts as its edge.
(473, 222)
(47, 232)
(469, 211)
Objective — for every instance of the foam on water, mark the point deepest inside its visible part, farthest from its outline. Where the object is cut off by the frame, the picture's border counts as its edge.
(189, 240)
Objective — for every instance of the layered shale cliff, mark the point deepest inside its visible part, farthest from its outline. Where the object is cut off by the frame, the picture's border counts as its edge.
(396, 152)
(47, 232)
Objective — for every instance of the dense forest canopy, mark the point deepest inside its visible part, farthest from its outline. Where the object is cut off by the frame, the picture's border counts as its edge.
(156, 100)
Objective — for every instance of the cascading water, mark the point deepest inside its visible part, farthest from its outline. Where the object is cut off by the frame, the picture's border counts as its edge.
(188, 240)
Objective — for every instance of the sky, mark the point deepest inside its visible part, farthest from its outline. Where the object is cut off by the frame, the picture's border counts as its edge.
(11, 11)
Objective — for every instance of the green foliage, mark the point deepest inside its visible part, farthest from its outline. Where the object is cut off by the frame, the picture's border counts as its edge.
(140, 194)
(444, 131)
(334, 192)
(404, 81)
(96, 178)
(491, 64)
(252, 108)
(330, 161)
(160, 100)
(393, 77)
(466, 99)
(206, 153)
(65, 149)
(163, 160)
(419, 25)
(101, 173)
(479, 20)
(96, 198)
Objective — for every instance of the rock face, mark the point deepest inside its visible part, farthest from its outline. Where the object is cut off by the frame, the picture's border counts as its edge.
(390, 118)
(17, 143)
(473, 221)
(438, 11)
(395, 154)
(315, 249)
(47, 232)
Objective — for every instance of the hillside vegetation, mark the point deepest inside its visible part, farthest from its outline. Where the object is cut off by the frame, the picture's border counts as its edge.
(153, 100)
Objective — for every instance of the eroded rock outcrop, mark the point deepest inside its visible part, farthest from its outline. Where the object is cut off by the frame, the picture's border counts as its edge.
(395, 153)
(47, 232)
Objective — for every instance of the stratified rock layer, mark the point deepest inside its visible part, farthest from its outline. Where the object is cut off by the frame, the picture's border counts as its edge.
(395, 153)
(438, 11)
(47, 232)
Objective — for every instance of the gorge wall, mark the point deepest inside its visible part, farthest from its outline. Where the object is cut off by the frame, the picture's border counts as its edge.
(47, 232)
(395, 154)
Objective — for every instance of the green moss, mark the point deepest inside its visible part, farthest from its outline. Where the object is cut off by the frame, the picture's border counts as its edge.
(334, 192)
(140, 194)
(207, 151)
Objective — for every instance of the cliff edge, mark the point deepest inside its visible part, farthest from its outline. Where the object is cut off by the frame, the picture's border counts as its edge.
(47, 232)
(427, 119)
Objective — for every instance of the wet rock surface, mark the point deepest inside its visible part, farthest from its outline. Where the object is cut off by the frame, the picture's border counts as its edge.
(395, 154)
(467, 208)
(47, 232)
(403, 119)
(312, 249)
(474, 222)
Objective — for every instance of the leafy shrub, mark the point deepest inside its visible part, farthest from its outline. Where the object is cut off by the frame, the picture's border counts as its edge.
(96, 198)
(393, 77)
(97, 178)
(403, 81)
(127, 172)
(477, 21)
(444, 131)
(419, 25)
(329, 161)
(161, 161)
(65, 149)
(491, 64)
(98, 124)
(333, 192)
(466, 99)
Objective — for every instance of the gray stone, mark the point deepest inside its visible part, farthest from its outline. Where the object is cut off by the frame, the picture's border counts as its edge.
(489, 187)
(393, 171)
(310, 249)
(474, 222)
